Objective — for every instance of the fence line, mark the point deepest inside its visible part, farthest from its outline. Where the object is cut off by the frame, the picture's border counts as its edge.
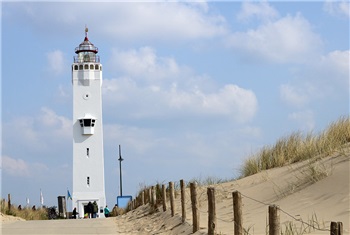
(195, 194)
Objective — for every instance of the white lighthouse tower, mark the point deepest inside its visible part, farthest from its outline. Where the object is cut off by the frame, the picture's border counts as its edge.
(88, 157)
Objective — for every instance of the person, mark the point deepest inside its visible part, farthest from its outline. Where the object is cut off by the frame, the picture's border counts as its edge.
(94, 209)
(19, 207)
(89, 209)
(74, 213)
(106, 211)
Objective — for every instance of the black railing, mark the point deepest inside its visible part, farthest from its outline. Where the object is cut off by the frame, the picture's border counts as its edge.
(86, 48)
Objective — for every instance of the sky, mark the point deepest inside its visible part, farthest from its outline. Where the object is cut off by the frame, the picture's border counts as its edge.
(190, 88)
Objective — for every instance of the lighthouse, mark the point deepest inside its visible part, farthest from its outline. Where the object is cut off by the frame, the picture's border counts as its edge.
(88, 157)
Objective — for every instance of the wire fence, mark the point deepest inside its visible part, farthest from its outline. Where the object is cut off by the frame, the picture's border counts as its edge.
(156, 196)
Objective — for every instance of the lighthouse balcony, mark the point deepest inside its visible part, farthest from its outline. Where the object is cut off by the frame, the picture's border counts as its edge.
(87, 123)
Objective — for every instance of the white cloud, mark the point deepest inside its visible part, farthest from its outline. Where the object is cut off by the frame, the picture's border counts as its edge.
(260, 10)
(61, 126)
(250, 131)
(305, 119)
(325, 78)
(168, 21)
(340, 8)
(144, 62)
(14, 167)
(335, 67)
(141, 140)
(293, 95)
(127, 21)
(21, 168)
(44, 132)
(55, 60)
(158, 86)
(289, 39)
(231, 101)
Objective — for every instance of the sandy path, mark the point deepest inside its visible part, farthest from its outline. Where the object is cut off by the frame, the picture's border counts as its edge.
(56, 227)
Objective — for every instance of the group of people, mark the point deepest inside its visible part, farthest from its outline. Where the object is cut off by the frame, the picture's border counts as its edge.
(20, 208)
(91, 211)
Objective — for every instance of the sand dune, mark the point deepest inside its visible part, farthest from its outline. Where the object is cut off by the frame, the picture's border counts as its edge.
(316, 192)
(8, 218)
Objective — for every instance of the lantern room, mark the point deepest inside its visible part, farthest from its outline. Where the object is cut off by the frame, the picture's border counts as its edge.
(86, 51)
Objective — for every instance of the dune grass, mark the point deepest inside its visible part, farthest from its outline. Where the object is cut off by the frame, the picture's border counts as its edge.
(299, 147)
(25, 213)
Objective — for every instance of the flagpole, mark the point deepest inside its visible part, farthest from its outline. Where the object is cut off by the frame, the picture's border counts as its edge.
(69, 196)
(66, 204)
(41, 199)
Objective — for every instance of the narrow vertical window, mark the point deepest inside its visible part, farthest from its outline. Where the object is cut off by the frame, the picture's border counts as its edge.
(88, 181)
(87, 152)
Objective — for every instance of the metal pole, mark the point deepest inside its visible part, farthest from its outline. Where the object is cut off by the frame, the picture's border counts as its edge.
(120, 170)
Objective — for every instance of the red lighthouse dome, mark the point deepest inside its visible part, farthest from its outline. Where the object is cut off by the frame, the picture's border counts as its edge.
(86, 51)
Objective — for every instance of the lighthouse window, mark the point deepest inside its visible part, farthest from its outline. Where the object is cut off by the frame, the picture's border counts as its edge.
(87, 152)
(91, 66)
(86, 66)
(101, 67)
(88, 181)
(86, 58)
(75, 67)
(81, 67)
(96, 67)
(87, 122)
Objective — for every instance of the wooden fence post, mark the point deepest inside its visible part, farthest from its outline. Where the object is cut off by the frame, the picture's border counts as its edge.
(3, 204)
(274, 220)
(164, 197)
(149, 196)
(158, 194)
(237, 213)
(143, 198)
(340, 228)
(183, 206)
(9, 201)
(154, 196)
(211, 211)
(172, 203)
(194, 202)
(336, 228)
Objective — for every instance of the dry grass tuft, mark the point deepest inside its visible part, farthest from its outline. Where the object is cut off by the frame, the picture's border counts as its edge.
(298, 147)
(25, 213)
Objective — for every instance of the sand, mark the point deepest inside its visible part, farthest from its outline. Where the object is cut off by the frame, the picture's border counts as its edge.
(292, 188)
(9, 218)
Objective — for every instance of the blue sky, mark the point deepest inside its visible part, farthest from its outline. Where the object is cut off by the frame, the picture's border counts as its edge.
(190, 88)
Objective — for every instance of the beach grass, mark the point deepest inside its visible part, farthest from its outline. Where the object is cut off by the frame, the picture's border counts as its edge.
(24, 213)
(298, 147)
